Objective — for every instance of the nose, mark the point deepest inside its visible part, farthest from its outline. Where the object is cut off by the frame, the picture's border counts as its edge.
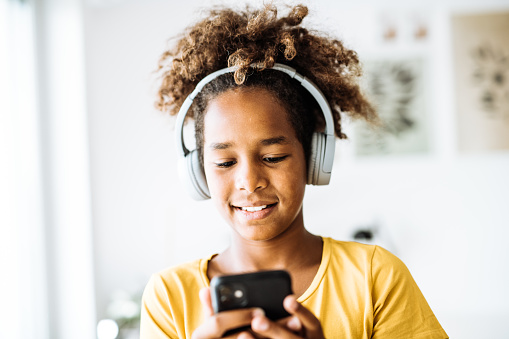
(250, 176)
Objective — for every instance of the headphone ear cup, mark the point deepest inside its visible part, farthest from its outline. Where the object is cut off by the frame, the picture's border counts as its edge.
(191, 173)
(315, 158)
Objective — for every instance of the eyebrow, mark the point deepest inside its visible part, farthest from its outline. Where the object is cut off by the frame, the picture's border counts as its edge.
(280, 140)
(221, 145)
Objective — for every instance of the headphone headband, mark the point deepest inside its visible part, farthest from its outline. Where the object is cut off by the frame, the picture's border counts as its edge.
(327, 145)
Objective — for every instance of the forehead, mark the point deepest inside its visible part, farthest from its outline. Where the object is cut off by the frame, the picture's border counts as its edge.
(242, 113)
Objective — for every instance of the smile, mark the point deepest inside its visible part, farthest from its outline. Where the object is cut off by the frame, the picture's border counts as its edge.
(254, 208)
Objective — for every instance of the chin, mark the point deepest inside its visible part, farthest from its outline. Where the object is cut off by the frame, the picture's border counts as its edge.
(258, 233)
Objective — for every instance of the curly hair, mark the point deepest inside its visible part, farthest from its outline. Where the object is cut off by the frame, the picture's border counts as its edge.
(227, 37)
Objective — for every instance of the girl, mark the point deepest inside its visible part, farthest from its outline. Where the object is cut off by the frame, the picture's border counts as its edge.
(263, 132)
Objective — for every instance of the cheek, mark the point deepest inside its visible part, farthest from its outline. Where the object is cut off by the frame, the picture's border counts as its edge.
(211, 180)
(217, 184)
(292, 182)
(299, 171)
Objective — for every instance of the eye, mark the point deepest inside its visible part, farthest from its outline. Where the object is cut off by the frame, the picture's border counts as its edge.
(226, 164)
(274, 160)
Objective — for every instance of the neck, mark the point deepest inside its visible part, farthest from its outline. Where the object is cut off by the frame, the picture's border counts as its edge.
(295, 249)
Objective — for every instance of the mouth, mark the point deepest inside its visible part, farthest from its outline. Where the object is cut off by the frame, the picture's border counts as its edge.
(252, 213)
(254, 208)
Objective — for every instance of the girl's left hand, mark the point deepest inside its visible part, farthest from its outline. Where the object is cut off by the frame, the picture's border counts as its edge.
(301, 324)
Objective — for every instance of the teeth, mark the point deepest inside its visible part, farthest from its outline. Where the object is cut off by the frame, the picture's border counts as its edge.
(254, 209)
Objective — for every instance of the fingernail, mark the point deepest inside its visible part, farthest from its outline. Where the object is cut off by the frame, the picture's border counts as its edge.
(244, 335)
(260, 324)
(294, 324)
(258, 312)
(291, 303)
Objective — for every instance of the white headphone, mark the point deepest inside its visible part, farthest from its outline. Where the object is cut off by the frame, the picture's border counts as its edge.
(322, 143)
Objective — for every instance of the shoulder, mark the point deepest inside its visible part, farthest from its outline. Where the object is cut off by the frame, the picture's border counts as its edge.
(383, 270)
(398, 308)
(167, 296)
(371, 254)
(395, 296)
(349, 253)
(349, 247)
(192, 269)
(372, 262)
(174, 282)
(356, 248)
(188, 274)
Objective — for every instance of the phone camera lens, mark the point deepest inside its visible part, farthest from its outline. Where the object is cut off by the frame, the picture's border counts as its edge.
(225, 293)
(232, 296)
(225, 290)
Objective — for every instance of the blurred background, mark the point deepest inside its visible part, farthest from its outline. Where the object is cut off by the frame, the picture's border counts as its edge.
(90, 201)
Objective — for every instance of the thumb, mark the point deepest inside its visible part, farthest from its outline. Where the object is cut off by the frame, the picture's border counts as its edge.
(206, 302)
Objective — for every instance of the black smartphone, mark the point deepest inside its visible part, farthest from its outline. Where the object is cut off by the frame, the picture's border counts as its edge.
(264, 289)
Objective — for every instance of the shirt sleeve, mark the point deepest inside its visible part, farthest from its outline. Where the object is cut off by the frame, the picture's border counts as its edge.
(156, 314)
(400, 310)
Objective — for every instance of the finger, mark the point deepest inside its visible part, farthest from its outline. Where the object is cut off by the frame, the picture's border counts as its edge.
(293, 323)
(310, 323)
(218, 324)
(242, 335)
(269, 329)
(206, 301)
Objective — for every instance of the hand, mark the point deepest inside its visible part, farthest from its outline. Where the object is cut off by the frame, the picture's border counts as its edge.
(215, 325)
(301, 324)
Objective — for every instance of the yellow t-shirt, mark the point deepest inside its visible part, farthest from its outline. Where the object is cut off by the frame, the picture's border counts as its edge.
(359, 291)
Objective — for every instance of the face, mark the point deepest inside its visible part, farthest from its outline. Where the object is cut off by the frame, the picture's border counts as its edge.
(254, 164)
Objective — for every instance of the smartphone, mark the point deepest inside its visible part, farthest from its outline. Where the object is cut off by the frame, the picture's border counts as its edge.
(264, 289)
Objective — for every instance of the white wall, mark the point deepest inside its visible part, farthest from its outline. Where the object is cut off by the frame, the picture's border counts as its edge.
(443, 213)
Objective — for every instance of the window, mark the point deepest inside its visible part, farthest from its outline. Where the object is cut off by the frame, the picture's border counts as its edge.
(46, 284)
(22, 255)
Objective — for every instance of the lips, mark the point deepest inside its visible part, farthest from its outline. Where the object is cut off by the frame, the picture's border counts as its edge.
(254, 211)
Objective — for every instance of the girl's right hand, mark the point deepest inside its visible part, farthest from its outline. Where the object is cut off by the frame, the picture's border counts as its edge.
(215, 325)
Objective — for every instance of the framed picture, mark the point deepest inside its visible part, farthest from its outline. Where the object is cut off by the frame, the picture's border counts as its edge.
(397, 90)
(481, 78)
